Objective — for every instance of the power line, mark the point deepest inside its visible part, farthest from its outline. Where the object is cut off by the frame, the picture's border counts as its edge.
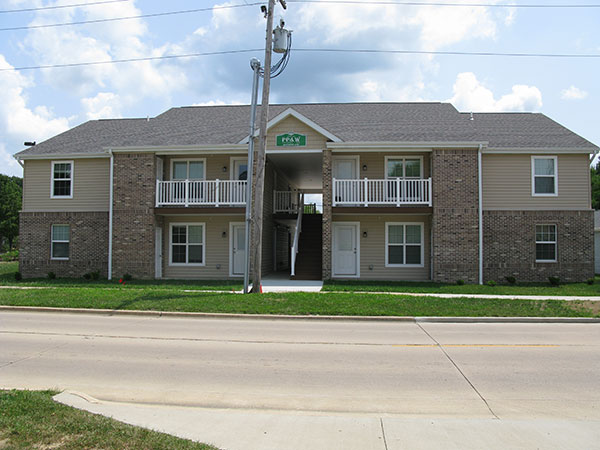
(116, 61)
(43, 8)
(141, 16)
(313, 50)
(483, 5)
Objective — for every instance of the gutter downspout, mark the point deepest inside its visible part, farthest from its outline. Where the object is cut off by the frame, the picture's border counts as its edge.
(110, 215)
(480, 214)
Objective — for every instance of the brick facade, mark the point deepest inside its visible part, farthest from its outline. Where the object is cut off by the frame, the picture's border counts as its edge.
(509, 245)
(327, 214)
(133, 215)
(88, 246)
(455, 220)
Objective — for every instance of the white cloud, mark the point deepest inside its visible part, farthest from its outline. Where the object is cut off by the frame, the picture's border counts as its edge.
(17, 119)
(573, 93)
(105, 105)
(9, 165)
(103, 42)
(471, 95)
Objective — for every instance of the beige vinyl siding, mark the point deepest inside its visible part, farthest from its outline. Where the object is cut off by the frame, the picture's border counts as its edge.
(90, 186)
(373, 249)
(314, 140)
(376, 165)
(216, 251)
(507, 183)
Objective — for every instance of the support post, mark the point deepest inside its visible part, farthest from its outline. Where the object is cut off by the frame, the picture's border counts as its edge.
(255, 64)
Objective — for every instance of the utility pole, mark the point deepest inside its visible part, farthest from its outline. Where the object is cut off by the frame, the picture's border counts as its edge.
(258, 193)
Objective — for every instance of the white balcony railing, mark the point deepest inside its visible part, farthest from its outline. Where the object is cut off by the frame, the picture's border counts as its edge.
(396, 192)
(286, 201)
(201, 193)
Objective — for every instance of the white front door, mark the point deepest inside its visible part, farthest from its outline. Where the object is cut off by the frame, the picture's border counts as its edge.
(344, 169)
(238, 249)
(240, 169)
(158, 253)
(345, 250)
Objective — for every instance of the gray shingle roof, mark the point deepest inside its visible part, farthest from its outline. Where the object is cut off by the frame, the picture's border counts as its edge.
(351, 122)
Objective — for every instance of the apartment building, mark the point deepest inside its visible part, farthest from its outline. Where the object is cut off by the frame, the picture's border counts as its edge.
(410, 191)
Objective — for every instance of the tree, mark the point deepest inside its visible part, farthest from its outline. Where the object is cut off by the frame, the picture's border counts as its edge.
(595, 178)
(11, 192)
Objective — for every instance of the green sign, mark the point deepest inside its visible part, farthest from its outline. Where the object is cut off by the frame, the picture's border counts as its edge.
(291, 140)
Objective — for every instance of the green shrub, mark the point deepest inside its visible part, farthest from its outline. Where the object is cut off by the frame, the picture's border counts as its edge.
(590, 281)
(51, 275)
(460, 282)
(87, 276)
(491, 283)
(554, 281)
(511, 280)
(18, 276)
(127, 277)
(95, 275)
(12, 255)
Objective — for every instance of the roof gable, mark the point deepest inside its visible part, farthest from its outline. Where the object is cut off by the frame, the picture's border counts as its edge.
(291, 112)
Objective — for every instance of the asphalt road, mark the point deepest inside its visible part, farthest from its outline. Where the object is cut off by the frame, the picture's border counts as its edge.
(390, 369)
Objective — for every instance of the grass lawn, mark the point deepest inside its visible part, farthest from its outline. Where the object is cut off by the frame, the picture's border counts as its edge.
(567, 289)
(293, 303)
(159, 296)
(8, 269)
(31, 419)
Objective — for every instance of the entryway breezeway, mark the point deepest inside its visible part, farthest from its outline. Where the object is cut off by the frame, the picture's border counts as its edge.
(280, 282)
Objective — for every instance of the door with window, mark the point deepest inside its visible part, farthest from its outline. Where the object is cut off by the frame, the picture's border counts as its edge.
(239, 173)
(345, 250)
(403, 169)
(238, 249)
(346, 169)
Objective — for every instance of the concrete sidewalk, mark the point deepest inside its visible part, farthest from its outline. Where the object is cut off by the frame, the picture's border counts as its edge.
(273, 430)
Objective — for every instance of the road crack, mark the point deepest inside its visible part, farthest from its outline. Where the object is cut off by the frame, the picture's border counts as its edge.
(459, 371)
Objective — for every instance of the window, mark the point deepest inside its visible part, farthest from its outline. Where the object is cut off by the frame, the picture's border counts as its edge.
(187, 244)
(404, 244)
(60, 242)
(544, 176)
(404, 167)
(62, 179)
(187, 170)
(545, 243)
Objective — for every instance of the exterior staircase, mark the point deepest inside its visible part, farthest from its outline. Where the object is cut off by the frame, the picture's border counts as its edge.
(310, 248)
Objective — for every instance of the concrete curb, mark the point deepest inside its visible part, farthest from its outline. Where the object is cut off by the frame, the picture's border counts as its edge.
(190, 315)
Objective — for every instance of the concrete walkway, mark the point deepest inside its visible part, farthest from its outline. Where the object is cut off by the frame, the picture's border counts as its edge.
(500, 296)
(264, 430)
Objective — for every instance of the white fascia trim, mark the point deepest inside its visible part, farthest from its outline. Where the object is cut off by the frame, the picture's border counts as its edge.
(293, 113)
(291, 151)
(64, 156)
(401, 145)
(540, 151)
(183, 149)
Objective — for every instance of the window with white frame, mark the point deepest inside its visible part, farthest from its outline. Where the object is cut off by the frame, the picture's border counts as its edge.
(187, 169)
(59, 248)
(62, 179)
(544, 176)
(187, 244)
(545, 243)
(404, 167)
(404, 244)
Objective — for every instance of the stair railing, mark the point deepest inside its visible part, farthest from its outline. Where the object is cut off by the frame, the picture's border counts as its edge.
(297, 232)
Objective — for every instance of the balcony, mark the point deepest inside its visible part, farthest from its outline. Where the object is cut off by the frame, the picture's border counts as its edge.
(201, 193)
(391, 192)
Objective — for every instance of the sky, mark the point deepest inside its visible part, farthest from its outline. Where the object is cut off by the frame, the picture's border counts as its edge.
(40, 103)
